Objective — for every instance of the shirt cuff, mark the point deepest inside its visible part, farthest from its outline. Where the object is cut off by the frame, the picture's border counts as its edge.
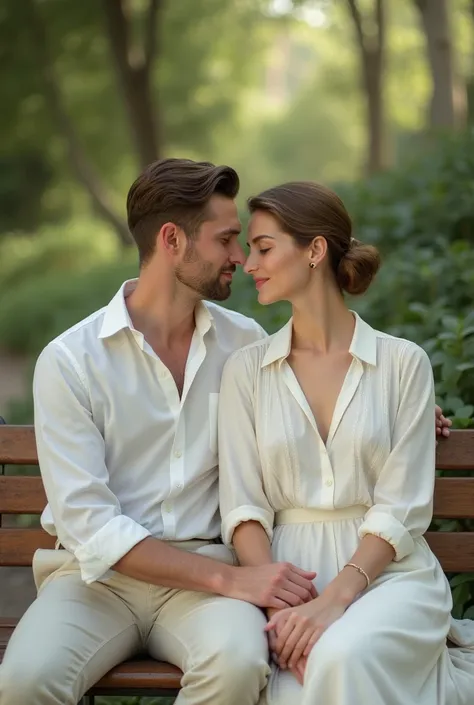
(107, 546)
(246, 513)
(386, 527)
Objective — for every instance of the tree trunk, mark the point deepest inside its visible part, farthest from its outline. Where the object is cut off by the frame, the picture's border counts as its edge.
(371, 46)
(133, 65)
(83, 169)
(448, 100)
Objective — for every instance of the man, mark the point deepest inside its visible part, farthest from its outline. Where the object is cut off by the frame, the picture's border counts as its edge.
(126, 427)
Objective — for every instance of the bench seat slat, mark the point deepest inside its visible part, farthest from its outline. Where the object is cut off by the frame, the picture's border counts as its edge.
(140, 674)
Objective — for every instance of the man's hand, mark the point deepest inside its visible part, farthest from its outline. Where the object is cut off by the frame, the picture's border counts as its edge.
(274, 585)
(442, 423)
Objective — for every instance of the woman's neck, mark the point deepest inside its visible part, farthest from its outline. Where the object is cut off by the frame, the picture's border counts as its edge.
(322, 327)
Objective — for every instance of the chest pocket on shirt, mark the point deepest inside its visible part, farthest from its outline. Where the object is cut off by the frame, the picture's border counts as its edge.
(213, 409)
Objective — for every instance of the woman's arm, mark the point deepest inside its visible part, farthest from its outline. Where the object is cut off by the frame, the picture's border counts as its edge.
(252, 544)
(247, 516)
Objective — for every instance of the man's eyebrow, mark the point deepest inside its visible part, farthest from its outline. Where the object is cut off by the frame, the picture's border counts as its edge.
(229, 231)
(257, 238)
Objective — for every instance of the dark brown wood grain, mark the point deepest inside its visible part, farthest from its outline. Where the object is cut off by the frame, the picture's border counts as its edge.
(17, 546)
(21, 494)
(456, 452)
(454, 550)
(18, 445)
(454, 498)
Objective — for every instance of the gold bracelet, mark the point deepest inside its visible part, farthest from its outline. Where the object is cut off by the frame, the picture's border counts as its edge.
(359, 570)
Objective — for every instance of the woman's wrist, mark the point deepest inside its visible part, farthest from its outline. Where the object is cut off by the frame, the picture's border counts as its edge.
(344, 589)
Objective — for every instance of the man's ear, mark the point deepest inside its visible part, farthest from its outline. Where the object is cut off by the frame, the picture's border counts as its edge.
(170, 236)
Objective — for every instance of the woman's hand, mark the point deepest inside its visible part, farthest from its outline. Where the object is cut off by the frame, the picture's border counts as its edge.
(297, 629)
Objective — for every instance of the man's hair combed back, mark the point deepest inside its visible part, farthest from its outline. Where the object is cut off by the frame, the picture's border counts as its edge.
(176, 191)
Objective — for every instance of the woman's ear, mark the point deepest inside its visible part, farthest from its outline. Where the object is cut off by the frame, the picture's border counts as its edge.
(318, 250)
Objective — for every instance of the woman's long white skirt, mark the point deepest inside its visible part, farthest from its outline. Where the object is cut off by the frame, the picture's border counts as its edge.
(389, 648)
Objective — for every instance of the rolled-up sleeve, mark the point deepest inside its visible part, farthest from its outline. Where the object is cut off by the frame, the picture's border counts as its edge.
(71, 452)
(241, 494)
(403, 493)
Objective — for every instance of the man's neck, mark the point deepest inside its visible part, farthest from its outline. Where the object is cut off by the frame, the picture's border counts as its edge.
(164, 316)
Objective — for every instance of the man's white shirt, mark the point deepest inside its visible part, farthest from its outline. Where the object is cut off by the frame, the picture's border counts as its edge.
(122, 456)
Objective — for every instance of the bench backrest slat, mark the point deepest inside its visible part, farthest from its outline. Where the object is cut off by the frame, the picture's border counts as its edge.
(454, 499)
(17, 546)
(17, 445)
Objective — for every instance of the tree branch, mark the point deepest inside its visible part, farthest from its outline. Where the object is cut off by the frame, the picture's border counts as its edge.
(381, 25)
(83, 169)
(358, 23)
(151, 31)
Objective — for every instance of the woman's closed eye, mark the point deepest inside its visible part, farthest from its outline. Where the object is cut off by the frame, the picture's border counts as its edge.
(262, 252)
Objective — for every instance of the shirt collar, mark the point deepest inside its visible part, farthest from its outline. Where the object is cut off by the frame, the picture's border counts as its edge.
(117, 318)
(363, 345)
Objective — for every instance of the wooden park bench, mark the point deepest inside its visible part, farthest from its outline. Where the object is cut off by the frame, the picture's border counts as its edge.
(21, 494)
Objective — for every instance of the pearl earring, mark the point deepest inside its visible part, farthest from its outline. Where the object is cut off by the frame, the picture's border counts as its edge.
(312, 265)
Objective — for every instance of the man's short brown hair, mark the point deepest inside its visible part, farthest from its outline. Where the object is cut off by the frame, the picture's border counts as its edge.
(177, 191)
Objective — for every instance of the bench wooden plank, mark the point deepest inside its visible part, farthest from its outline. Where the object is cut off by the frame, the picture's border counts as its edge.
(17, 546)
(454, 498)
(457, 451)
(139, 674)
(454, 550)
(21, 494)
(17, 445)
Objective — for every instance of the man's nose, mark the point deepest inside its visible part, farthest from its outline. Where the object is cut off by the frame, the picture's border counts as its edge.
(238, 255)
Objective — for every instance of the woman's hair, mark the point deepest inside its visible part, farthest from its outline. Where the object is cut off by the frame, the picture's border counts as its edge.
(306, 210)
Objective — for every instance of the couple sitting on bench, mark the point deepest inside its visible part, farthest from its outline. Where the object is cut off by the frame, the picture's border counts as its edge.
(322, 589)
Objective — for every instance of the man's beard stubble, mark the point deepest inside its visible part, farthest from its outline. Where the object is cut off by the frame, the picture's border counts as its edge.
(204, 282)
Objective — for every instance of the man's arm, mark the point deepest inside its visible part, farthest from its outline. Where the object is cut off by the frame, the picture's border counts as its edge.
(87, 515)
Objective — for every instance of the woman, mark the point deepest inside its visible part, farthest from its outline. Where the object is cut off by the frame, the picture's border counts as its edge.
(327, 460)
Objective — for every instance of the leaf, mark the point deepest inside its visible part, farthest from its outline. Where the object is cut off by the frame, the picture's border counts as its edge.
(464, 412)
(461, 578)
(468, 331)
(464, 366)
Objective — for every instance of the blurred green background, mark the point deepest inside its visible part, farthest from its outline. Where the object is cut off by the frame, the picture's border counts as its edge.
(372, 97)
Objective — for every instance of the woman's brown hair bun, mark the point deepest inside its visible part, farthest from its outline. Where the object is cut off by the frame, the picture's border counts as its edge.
(358, 267)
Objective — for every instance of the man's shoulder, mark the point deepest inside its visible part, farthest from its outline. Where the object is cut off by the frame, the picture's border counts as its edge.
(81, 335)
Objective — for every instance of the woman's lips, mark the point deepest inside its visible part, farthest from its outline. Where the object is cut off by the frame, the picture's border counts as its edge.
(260, 282)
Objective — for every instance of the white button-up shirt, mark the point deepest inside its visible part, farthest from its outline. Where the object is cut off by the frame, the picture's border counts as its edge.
(122, 456)
(380, 450)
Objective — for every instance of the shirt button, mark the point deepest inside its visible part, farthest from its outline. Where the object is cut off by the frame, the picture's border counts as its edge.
(177, 454)
(179, 486)
(328, 483)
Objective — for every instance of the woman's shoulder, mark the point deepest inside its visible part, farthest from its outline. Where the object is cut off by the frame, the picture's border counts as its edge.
(400, 350)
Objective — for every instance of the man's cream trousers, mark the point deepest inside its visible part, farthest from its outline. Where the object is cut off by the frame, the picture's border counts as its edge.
(74, 633)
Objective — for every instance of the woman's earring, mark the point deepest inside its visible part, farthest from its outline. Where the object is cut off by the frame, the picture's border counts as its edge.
(312, 265)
